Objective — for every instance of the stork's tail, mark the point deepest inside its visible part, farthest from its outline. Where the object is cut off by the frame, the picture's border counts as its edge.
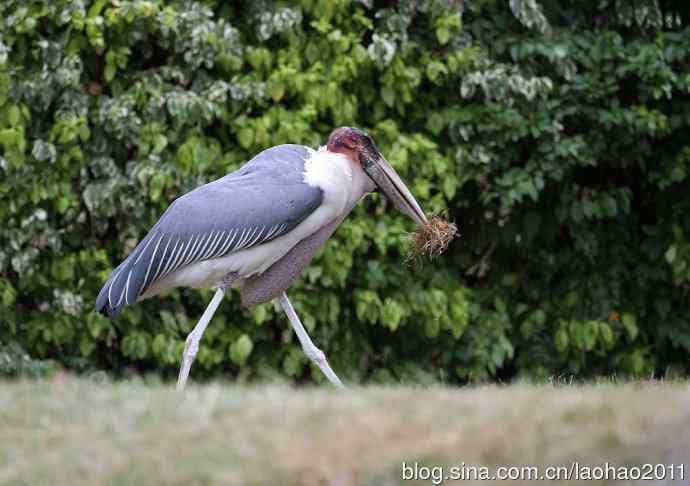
(126, 282)
(112, 297)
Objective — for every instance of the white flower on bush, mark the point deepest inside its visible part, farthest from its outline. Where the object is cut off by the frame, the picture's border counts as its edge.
(277, 21)
(382, 49)
(69, 302)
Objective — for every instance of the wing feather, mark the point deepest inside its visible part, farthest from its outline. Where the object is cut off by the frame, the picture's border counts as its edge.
(151, 260)
(192, 249)
(162, 260)
(225, 246)
(204, 250)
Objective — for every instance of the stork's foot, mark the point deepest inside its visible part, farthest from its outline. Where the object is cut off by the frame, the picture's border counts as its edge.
(313, 353)
(319, 359)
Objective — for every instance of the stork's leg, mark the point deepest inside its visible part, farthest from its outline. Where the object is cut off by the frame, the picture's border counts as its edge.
(191, 346)
(312, 352)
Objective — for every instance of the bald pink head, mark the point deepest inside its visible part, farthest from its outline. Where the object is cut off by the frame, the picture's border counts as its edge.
(352, 142)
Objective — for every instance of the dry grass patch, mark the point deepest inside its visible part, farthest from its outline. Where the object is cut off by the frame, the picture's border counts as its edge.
(73, 432)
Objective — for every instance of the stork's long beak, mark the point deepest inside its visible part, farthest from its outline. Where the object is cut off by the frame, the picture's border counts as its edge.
(394, 188)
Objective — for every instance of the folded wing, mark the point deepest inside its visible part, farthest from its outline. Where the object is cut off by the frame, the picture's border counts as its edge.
(263, 200)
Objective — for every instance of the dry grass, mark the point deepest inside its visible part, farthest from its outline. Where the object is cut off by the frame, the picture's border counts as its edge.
(432, 239)
(73, 432)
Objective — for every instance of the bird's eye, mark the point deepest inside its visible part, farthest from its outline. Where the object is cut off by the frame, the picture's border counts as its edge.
(366, 162)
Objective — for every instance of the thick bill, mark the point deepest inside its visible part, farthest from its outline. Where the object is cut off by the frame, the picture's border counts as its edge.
(395, 189)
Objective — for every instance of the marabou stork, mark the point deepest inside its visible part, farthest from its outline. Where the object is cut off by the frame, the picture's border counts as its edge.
(256, 229)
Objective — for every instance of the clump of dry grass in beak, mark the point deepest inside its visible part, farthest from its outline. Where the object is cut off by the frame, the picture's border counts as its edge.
(432, 238)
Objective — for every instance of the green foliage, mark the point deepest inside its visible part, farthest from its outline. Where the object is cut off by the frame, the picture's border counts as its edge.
(14, 361)
(554, 134)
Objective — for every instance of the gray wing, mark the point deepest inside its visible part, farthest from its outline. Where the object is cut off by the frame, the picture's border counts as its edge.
(265, 198)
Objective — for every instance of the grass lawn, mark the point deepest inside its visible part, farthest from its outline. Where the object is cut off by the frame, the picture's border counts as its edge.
(70, 431)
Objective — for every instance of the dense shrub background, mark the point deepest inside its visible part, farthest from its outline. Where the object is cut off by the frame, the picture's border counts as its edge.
(555, 132)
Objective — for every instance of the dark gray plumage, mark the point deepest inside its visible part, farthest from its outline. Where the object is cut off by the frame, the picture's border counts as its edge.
(264, 199)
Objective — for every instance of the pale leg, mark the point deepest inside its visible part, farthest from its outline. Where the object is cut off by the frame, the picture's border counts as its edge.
(191, 346)
(312, 352)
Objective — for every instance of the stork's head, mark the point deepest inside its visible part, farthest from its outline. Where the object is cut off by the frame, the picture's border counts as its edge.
(358, 146)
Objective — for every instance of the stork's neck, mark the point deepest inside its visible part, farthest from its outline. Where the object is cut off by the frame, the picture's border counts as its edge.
(342, 179)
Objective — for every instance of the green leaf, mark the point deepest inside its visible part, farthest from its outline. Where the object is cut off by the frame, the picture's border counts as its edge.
(443, 35)
(293, 362)
(84, 133)
(8, 294)
(432, 327)
(435, 70)
(245, 136)
(606, 334)
(241, 349)
(450, 186)
(670, 254)
(156, 186)
(109, 72)
(13, 115)
(160, 142)
(10, 137)
(392, 314)
(388, 95)
(86, 345)
(62, 204)
(561, 339)
(259, 313)
(630, 324)
(590, 334)
(276, 91)
(500, 304)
